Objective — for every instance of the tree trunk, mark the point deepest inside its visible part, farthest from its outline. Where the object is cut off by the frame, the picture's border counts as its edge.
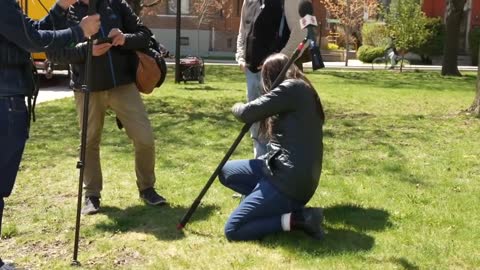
(347, 45)
(475, 107)
(454, 18)
(347, 34)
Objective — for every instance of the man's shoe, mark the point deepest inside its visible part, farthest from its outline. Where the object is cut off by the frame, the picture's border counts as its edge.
(92, 205)
(151, 197)
(309, 220)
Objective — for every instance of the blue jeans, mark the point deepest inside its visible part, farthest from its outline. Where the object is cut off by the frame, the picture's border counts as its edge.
(254, 90)
(259, 214)
(13, 135)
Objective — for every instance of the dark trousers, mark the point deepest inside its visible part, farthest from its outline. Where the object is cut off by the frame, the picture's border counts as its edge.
(13, 135)
(259, 214)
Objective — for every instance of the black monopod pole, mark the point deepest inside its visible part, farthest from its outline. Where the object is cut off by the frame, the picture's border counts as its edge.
(230, 151)
(81, 163)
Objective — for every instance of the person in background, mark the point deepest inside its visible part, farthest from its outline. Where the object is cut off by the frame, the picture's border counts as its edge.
(279, 185)
(113, 87)
(19, 35)
(392, 53)
(276, 29)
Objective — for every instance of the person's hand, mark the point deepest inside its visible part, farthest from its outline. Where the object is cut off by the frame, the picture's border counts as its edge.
(90, 25)
(242, 66)
(65, 4)
(118, 38)
(101, 49)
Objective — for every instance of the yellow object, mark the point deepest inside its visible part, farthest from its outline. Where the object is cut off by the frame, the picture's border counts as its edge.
(34, 10)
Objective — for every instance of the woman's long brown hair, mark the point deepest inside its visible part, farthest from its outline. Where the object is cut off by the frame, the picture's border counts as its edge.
(272, 67)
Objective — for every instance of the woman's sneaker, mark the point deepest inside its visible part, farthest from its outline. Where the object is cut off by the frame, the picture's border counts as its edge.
(309, 220)
(151, 197)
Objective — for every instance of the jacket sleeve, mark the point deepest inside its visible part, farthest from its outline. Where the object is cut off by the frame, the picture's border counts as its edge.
(137, 36)
(69, 55)
(240, 54)
(276, 101)
(21, 30)
(293, 21)
(55, 19)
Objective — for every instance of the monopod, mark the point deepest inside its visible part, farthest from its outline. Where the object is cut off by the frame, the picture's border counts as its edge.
(244, 130)
(83, 144)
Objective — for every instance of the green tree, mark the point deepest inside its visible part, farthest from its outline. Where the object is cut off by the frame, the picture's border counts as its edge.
(407, 24)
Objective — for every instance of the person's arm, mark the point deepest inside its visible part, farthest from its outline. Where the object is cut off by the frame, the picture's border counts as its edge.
(277, 101)
(72, 55)
(293, 21)
(240, 55)
(19, 30)
(56, 17)
(136, 35)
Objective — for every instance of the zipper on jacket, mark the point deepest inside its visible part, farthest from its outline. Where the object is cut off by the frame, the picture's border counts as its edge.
(112, 71)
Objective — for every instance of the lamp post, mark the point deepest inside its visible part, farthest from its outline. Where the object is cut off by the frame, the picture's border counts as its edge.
(177, 42)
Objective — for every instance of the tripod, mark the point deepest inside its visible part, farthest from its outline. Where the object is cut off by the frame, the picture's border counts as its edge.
(230, 151)
(83, 144)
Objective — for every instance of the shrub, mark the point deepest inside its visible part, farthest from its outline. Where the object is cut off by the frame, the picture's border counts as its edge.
(341, 40)
(374, 34)
(434, 43)
(368, 53)
(474, 44)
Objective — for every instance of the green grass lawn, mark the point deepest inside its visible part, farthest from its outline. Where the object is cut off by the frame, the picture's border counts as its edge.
(400, 184)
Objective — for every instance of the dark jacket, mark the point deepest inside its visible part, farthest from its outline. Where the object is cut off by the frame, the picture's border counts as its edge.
(19, 35)
(295, 149)
(117, 66)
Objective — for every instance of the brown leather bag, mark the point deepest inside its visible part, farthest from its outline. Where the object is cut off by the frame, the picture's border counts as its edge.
(148, 73)
(151, 66)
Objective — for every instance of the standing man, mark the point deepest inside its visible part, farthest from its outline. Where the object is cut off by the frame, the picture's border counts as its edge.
(19, 36)
(266, 27)
(113, 88)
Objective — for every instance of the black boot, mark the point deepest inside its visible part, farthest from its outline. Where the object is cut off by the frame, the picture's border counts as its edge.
(309, 220)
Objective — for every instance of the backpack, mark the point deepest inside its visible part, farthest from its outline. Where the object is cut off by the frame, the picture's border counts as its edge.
(266, 30)
(151, 68)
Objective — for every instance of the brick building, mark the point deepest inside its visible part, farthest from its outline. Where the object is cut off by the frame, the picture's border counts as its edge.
(471, 18)
(215, 36)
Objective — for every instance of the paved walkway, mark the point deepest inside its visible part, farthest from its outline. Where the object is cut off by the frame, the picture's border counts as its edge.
(57, 87)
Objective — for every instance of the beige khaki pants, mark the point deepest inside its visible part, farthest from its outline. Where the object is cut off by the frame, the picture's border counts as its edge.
(126, 102)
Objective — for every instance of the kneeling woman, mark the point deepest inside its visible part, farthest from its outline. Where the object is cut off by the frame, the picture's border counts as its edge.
(278, 185)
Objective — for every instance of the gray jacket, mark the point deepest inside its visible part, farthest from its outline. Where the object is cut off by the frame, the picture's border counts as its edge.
(295, 149)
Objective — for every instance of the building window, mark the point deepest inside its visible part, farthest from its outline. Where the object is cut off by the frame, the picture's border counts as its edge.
(172, 7)
(184, 41)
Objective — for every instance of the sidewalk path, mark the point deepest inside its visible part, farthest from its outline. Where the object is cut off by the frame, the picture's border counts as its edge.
(57, 87)
(54, 88)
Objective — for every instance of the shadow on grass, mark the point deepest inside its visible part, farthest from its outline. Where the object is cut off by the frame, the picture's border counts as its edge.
(355, 220)
(159, 221)
(362, 219)
(402, 262)
(201, 87)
